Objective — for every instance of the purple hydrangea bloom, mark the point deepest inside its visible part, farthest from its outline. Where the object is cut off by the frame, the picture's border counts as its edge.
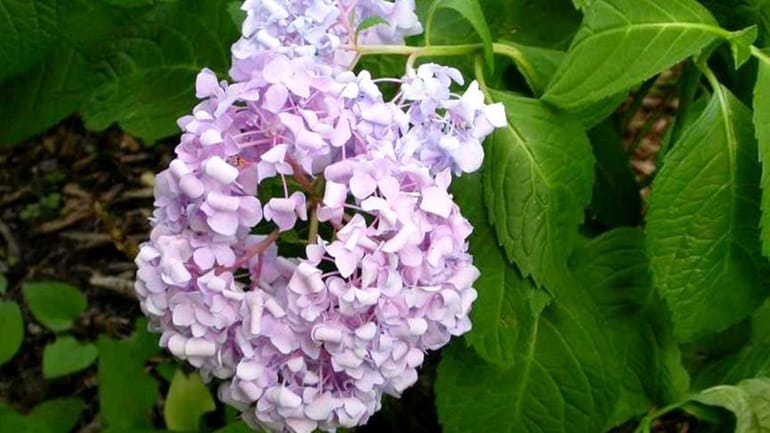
(321, 31)
(447, 128)
(296, 142)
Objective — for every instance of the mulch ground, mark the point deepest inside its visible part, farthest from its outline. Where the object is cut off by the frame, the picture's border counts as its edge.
(73, 207)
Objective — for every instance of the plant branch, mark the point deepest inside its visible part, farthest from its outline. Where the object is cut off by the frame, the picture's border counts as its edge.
(760, 55)
(406, 50)
(312, 233)
(260, 248)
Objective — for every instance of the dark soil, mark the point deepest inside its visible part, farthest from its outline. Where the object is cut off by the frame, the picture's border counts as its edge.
(73, 207)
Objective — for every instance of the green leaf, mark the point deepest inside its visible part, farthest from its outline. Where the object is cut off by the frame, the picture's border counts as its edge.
(740, 44)
(542, 23)
(3, 284)
(369, 23)
(762, 130)
(44, 95)
(187, 401)
(564, 378)
(616, 199)
(469, 10)
(11, 330)
(57, 84)
(60, 415)
(66, 356)
(623, 42)
(11, 421)
(146, 77)
(538, 178)
(56, 305)
(503, 294)
(703, 222)
(29, 28)
(591, 115)
(749, 401)
(615, 269)
(237, 14)
(126, 392)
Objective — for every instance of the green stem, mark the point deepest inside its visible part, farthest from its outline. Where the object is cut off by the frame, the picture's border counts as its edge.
(478, 68)
(689, 84)
(406, 50)
(444, 51)
(313, 230)
(716, 86)
(759, 54)
(517, 56)
(724, 105)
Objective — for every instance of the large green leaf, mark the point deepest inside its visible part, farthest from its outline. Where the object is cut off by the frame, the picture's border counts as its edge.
(542, 23)
(502, 310)
(538, 177)
(762, 129)
(56, 84)
(623, 42)
(615, 269)
(471, 11)
(749, 401)
(66, 356)
(28, 28)
(126, 392)
(564, 378)
(591, 115)
(703, 222)
(11, 421)
(133, 65)
(54, 304)
(187, 401)
(44, 95)
(146, 77)
(11, 330)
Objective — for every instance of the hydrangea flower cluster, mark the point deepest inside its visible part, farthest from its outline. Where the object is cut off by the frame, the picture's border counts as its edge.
(298, 143)
(322, 31)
